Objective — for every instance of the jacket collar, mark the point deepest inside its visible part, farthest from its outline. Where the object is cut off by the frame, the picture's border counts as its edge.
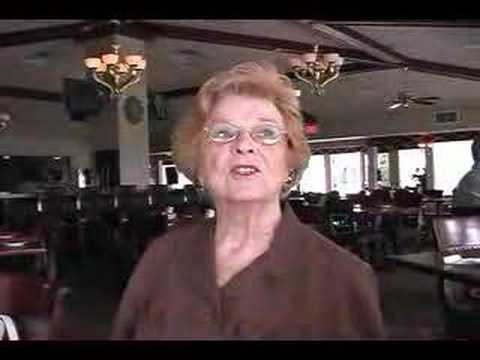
(197, 253)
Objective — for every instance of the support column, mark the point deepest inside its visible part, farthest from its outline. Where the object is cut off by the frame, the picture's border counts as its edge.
(372, 153)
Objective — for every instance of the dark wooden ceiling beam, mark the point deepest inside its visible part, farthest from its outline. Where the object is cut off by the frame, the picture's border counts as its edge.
(43, 34)
(30, 94)
(150, 30)
(410, 23)
(345, 33)
(356, 39)
(447, 70)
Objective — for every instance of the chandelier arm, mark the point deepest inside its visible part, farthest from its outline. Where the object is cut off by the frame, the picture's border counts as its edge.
(329, 79)
(104, 83)
(132, 80)
(303, 79)
(318, 91)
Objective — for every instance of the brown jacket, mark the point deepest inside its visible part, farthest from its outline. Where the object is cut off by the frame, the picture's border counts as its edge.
(303, 287)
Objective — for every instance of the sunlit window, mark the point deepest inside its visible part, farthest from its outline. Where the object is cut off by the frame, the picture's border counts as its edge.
(169, 175)
(411, 162)
(383, 169)
(313, 179)
(346, 172)
(451, 160)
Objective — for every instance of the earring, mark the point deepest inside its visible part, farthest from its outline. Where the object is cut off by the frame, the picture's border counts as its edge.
(290, 180)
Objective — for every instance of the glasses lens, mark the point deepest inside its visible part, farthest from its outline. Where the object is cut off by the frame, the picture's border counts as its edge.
(267, 134)
(222, 132)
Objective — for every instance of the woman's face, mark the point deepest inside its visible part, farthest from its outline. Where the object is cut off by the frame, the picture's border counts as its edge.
(244, 169)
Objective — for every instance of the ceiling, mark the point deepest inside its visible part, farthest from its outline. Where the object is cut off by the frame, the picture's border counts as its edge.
(443, 59)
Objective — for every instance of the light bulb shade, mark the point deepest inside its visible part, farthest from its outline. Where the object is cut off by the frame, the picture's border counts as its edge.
(122, 68)
(110, 59)
(142, 64)
(92, 62)
(332, 57)
(133, 59)
(322, 64)
(101, 68)
(295, 62)
(310, 57)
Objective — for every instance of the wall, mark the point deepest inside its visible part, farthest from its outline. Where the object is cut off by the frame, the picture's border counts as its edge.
(403, 121)
(43, 128)
(381, 122)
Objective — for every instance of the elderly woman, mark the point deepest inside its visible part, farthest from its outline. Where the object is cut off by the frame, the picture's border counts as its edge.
(254, 271)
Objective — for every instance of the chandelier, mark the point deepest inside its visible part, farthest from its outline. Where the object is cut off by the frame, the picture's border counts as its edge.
(114, 73)
(316, 69)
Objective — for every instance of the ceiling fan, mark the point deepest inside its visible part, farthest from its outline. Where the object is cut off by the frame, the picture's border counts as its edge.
(404, 99)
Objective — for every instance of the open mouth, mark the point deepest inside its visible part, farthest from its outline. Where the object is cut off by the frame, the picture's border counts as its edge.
(245, 170)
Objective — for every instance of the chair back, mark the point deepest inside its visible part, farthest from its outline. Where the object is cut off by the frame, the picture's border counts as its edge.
(406, 198)
(433, 193)
(378, 197)
(457, 235)
(8, 329)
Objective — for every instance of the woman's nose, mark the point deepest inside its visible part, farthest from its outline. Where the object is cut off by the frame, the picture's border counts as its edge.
(244, 143)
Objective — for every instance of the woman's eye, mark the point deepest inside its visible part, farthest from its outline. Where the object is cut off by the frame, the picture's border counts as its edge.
(224, 133)
(266, 132)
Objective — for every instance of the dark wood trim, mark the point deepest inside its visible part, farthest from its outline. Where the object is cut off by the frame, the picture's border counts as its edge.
(43, 34)
(147, 31)
(448, 70)
(357, 68)
(150, 30)
(344, 33)
(413, 64)
(30, 94)
(410, 23)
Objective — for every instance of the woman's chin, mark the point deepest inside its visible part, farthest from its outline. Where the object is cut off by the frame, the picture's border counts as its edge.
(242, 196)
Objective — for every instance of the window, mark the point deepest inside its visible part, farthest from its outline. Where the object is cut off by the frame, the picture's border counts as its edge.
(458, 156)
(411, 162)
(169, 175)
(313, 179)
(346, 172)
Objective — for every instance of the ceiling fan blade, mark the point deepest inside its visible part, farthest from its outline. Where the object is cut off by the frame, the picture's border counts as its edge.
(423, 102)
(427, 98)
(395, 105)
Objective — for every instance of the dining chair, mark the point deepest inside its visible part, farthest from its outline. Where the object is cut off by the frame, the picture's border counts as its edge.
(460, 301)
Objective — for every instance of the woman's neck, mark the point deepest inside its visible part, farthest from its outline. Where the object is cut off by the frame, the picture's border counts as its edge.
(246, 225)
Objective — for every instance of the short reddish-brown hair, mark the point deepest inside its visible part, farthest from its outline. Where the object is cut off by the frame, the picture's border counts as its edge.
(260, 80)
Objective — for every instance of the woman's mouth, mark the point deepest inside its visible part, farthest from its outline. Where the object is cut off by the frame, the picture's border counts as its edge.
(245, 170)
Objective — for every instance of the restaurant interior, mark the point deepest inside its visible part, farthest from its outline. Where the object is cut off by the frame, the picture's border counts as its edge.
(87, 180)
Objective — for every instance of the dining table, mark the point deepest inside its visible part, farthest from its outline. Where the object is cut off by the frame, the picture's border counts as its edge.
(433, 263)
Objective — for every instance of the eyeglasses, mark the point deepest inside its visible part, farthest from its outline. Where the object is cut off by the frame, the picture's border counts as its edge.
(224, 132)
